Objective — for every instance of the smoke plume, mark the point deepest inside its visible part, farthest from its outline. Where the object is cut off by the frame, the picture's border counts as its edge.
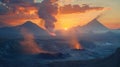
(29, 45)
(48, 10)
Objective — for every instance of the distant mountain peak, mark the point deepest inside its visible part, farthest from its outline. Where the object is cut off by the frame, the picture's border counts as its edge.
(95, 22)
(94, 26)
(31, 27)
(28, 23)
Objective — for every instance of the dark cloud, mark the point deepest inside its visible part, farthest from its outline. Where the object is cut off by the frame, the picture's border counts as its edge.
(4, 1)
(21, 1)
(12, 1)
(47, 10)
(77, 8)
(3, 9)
(17, 1)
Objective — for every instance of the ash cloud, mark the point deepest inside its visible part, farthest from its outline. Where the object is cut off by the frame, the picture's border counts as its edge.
(47, 11)
(66, 9)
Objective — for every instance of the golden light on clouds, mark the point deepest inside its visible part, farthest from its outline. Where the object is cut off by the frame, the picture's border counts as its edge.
(66, 21)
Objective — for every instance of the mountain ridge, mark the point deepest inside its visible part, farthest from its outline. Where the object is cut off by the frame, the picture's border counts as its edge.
(30, 26)
(93, 26)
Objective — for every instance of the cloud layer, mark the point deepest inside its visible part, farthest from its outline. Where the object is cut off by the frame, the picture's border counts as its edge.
(67, 9)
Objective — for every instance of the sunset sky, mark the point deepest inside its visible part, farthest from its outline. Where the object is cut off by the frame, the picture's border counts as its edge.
(80, 13)
(111, 17)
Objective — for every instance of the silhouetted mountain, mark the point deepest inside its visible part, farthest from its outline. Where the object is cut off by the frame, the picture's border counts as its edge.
(93, 27)
(11, 37)
(33, 29)
(15, 32)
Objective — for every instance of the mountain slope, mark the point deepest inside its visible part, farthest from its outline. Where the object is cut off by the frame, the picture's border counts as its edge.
(13, 40)
(9, 32)
(94, 26)
(15, 32)
(34, 29)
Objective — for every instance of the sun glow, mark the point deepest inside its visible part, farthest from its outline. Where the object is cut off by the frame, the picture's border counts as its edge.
(75, 19)
(66, 29)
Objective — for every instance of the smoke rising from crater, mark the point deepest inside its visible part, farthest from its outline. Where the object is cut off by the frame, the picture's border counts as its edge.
(48, 10)
(29, 45)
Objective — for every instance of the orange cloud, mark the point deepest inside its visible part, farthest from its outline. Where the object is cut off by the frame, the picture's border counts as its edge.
(67, 9)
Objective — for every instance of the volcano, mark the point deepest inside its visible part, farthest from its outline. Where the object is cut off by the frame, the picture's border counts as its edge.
(34, 29)
(15, 32)
(94, 26)
(19, 39)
